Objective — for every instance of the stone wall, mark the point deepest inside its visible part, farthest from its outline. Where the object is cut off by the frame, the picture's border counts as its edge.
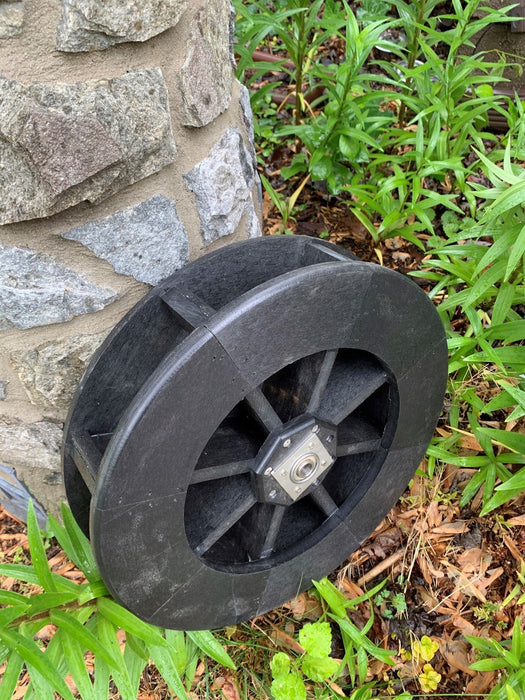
(125, 151)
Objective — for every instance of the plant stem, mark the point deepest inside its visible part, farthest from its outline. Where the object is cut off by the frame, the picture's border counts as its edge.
(412, 55)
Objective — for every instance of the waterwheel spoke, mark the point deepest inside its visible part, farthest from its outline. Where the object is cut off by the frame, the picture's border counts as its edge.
(228, 522)
(324, 501)
(355, 448)
(356, 435)
(322, 380)
(273, 531)
(221, 471)
(263, 410)
(358, 384)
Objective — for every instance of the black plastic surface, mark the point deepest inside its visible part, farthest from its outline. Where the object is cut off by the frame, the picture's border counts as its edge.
(167, 426)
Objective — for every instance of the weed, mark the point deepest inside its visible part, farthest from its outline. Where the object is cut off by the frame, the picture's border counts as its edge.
(86, 619)
(507, 657)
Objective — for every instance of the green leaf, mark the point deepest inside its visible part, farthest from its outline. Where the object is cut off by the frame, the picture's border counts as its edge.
(163, 660)
(77, 668)
(129, 622)
(484, 90)
(37, 551)
(319, 668)
(11, 675)
(32, 655)
(101, 678)
(362, 664)
(77, 631)
(316, 638)
(359, 639)
(107, 635)
(80, 546)
(137, 645)
(486, 646)
(511, 197)
(511, 693)
(176, 640)
(516, 254)
(207, 643)
(7, 615)
(135, 664)
(290, 687)
(43, 689)
(487, 280)
(45, 601)
(335, 599)
(11, 598)
(280, 665)
(25, 573)
(512, 440)
(489, 665)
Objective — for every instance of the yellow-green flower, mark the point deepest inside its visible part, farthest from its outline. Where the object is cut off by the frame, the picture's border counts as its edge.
(429, 679)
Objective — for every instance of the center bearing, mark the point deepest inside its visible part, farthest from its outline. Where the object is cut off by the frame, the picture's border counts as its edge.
(305, 468)
(303, 463)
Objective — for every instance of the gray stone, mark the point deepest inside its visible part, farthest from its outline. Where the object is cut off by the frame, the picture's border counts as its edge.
(51, 372)
(223, 183)
(147, 241)
(246, 109)
(64, 150)
(88, 25)
(65, 143)
(35, 290)
(3, 391)
(35, 445)
(11, 18)
(206, 77)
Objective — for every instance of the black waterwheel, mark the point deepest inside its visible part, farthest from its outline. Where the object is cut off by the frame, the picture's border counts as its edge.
(248, 424)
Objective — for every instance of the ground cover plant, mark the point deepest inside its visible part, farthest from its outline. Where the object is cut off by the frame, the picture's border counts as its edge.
(373, 131)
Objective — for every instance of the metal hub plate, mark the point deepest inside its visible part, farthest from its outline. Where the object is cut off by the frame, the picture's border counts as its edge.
(305, 464)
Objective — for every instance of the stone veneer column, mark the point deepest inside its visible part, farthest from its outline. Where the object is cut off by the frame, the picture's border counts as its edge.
(126, 150)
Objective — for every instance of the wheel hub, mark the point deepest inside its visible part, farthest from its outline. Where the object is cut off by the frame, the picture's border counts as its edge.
(293, 459)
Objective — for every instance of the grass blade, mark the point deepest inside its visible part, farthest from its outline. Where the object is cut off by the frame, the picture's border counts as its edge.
(79, 632)
(37, 551)
(80, 546)
(77, 668)
(33, 656)
(11, 675)
(207, 643)
(129, 622)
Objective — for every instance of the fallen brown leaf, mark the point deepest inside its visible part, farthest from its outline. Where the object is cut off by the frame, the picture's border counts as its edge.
(464, 626)
(229, 687)
(337, 690)
(481, 683)
(456, 528)
(281, 638)
(456, 653)
(470, 560)
(512, 546)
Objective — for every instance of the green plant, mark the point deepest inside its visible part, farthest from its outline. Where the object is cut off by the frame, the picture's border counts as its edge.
(284, 206)
(316, 663)
(391, 604)
(507, 657)
(359, 649)
(86, 619)
(395, 140)
(480, 285)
